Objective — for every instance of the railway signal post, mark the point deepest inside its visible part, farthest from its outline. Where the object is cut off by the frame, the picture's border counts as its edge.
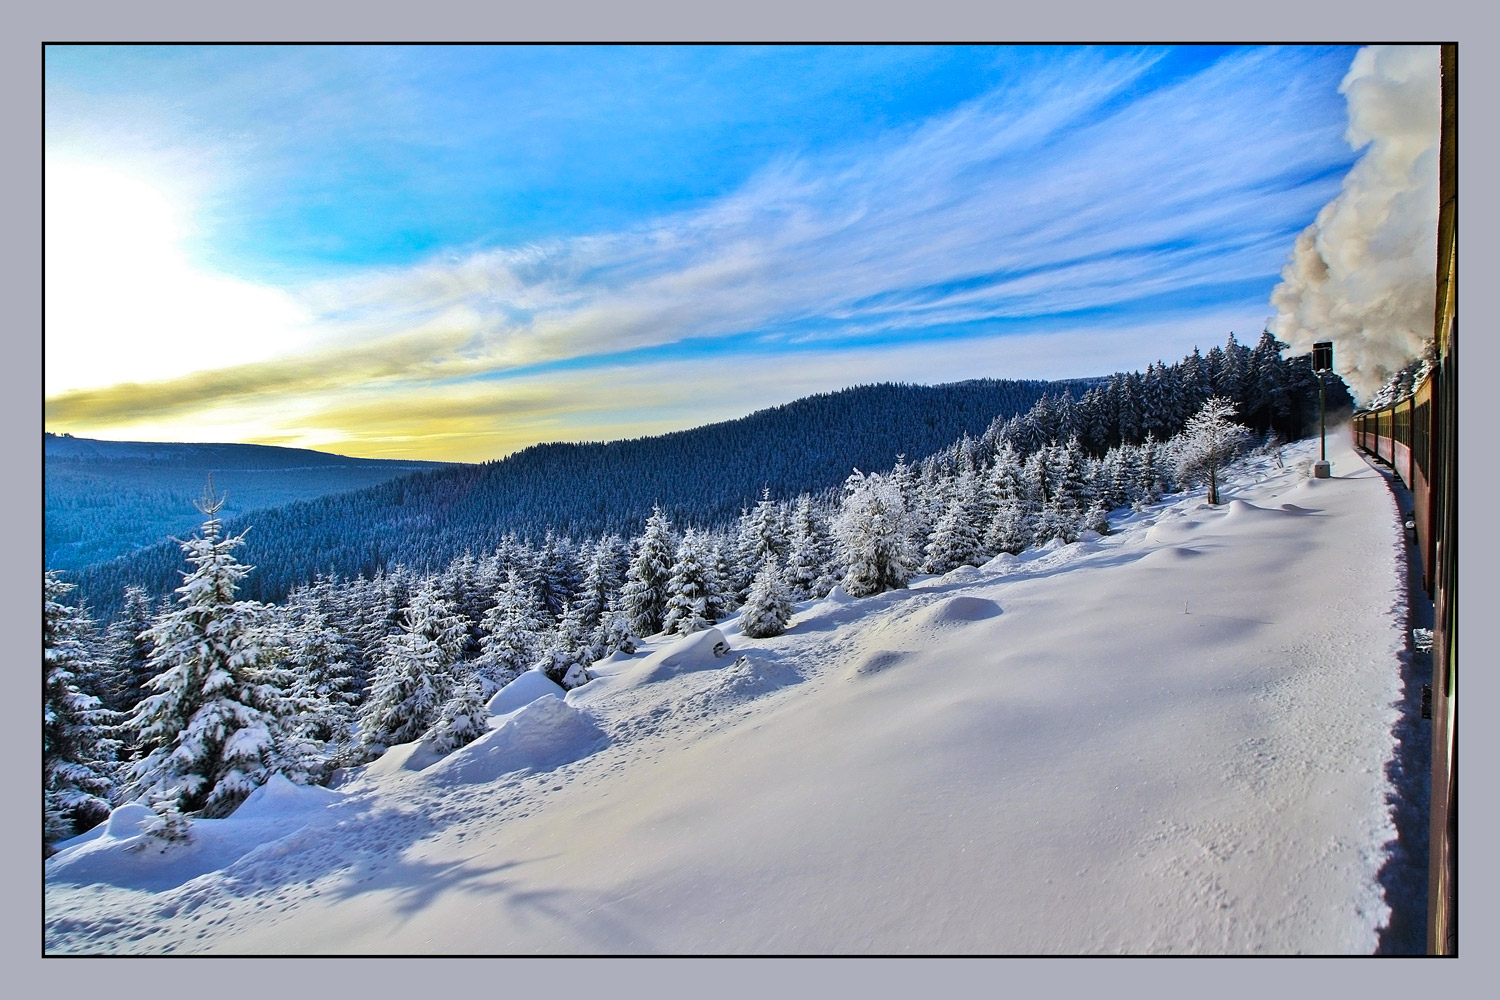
(1322, 364)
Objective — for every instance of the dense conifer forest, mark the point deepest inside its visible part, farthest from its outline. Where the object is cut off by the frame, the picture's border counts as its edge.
(105, 499)
(706, 475)
(194, 695)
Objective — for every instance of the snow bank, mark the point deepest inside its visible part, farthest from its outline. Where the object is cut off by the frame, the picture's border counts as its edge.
(703, 650)
(750, 677)
(540, 736)
(281, 797)
(956, 611)
(522, 691)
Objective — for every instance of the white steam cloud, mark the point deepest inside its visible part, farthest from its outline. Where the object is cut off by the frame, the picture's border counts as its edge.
(1362, 275)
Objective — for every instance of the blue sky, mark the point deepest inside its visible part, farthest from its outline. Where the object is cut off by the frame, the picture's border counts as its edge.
(451, 252)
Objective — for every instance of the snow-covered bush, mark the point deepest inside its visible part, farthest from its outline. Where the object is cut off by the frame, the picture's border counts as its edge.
(1209, 440)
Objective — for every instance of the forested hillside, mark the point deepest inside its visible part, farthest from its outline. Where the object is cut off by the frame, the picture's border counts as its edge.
(414, 651)
(105, 499)
(704, 476)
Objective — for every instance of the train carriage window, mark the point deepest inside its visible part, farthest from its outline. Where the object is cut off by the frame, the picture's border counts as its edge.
(1421, 437)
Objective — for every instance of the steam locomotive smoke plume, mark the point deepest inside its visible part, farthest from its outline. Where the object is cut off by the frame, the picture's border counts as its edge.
(1362, 275)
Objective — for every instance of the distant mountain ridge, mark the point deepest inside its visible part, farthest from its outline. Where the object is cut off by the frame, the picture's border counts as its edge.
(105, 499)
(703, 476)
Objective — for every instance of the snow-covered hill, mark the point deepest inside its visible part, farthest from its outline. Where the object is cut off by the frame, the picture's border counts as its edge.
(1169, 739)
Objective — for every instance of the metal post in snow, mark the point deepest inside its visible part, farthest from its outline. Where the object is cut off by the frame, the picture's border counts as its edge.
(1322, 363)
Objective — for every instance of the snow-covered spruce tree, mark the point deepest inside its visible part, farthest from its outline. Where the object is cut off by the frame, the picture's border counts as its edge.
(412, 678)
(693, 602)
(77, 756)
(566, 667)
(509, 639)
(810, 556)
(128, 650)
(871, 532)
(1011, 530)
(762, 531)
(953, 542)
(915, 492)
(463, 718)
(554, 575)
(602, 579)
(613, 634)
(316, 731)
(644, 596)
(725, 572)
(1209, 441)
(1148, 484)
(768, 606)
(1096, 518)
(208, 730)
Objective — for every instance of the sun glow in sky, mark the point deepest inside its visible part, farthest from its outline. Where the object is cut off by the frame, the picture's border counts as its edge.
(453, 252)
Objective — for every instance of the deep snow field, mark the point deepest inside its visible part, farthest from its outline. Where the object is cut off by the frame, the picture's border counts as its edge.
(1171, 739)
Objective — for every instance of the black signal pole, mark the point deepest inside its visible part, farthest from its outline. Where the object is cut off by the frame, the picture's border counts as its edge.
(1322, 363)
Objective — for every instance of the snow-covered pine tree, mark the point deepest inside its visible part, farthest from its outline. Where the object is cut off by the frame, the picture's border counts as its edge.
(809, 568)
(77, 756)
(768, 606)
(317, 729)
(613, 634)
(602, 579)
(410, 685)
(1096, 518)
(915, 490)
(438, 621)
(871, 532)
(693, 602)
(555, 575)
(208, 729)
(1011, 530)
(725, 572)
(1148, 484)
(953, 542)
(463, 718)
(128, 650)
(644, 596)
(1209, 441)
(414, 675)
(509, 638)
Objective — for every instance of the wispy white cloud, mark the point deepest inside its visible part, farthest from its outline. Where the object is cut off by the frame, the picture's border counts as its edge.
(1065, 192)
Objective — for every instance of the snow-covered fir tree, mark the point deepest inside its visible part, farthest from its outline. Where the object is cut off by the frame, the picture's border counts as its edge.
(602, 578)
(463, 718)
(208, 729)
(316, 729)
(613, 634)
(128, 650)
(412, 678)
(644, 596)
(872, 535)
(77, 755)
(694, 601)
(809, 569)
(762, 531)
(953, 542)
(768, 606)
(509, 637)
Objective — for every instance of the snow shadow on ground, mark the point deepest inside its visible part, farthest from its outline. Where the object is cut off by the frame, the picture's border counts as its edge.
(1404, 873)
